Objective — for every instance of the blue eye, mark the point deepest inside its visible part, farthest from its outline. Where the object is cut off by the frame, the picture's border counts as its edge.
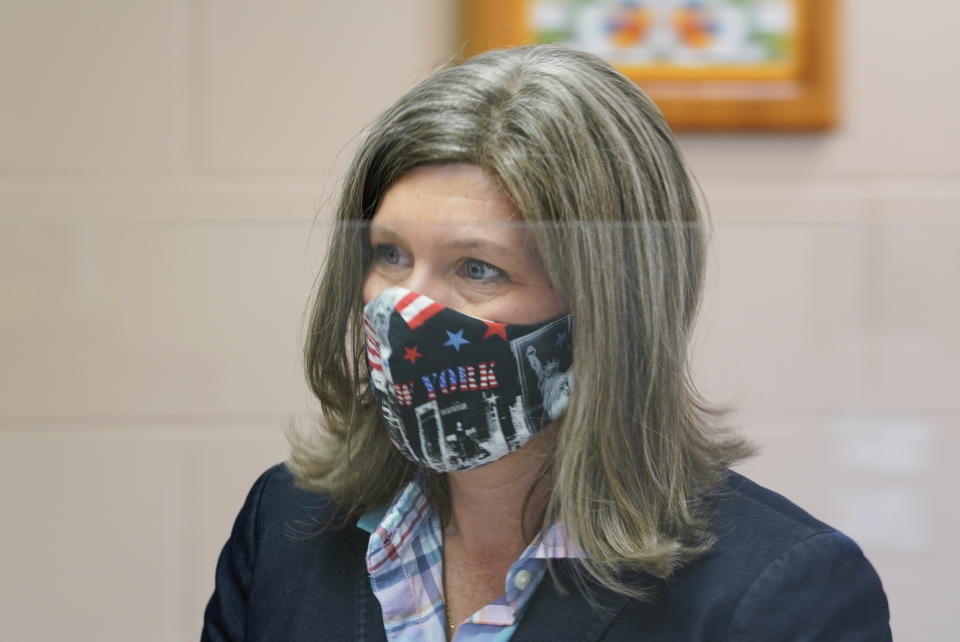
(480, 271)
(387, 254)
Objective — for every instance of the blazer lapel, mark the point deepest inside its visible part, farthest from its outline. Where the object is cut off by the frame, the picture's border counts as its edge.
(562, 615)
(367, 616)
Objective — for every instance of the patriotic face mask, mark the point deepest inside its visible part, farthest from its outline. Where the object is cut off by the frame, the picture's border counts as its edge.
(457, 392)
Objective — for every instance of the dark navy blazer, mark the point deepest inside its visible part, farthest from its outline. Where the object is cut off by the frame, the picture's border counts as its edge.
(775, 573)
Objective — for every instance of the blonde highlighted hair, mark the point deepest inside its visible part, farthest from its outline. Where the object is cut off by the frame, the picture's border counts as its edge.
(592, 167)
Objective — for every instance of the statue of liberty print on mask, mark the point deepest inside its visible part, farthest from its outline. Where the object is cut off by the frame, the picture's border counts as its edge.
(455, 391)
(549, 380)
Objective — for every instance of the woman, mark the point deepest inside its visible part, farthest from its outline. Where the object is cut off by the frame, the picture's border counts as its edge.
(473, 480)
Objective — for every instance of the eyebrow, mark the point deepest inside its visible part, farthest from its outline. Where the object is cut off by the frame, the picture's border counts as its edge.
(482, 244)
(468, 244)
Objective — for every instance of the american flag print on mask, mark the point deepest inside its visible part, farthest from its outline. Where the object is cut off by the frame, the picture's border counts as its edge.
(415, 309)
(455, 391)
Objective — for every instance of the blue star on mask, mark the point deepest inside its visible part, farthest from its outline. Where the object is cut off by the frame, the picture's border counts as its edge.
(561, 337)
(455, 339)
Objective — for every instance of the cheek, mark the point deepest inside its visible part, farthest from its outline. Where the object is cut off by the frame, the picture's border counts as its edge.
(372, 286)
(538, 306)
(557, 303)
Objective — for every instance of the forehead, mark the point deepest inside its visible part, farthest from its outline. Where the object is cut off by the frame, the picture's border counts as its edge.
(448, 195)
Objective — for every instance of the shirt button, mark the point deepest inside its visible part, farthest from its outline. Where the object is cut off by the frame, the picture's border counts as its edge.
(521, 579)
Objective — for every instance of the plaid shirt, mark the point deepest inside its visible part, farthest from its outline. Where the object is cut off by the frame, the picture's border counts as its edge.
(405, 562)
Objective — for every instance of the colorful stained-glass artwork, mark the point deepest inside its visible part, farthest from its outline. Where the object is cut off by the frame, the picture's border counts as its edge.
(694, 33)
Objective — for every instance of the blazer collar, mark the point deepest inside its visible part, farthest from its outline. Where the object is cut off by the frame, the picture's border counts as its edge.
(561, 614)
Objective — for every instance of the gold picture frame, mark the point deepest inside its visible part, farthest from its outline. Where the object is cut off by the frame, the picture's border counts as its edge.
(797, 92)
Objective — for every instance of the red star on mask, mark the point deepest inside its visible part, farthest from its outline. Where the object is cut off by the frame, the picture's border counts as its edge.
(411, 354)
(499, 329)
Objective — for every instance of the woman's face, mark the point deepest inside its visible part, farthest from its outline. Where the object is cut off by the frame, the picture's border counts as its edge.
(449, 232)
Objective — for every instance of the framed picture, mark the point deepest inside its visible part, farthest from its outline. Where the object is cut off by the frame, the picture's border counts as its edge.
(708, 64)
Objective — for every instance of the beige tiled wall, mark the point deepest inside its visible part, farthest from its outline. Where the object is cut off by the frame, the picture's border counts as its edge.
(161, 168)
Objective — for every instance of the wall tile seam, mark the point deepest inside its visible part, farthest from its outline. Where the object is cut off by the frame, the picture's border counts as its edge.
(168, 434)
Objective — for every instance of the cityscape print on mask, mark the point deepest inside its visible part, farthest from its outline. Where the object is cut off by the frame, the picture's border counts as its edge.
(456, 392)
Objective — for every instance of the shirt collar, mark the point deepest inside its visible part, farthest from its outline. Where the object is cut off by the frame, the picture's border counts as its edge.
(409, 504)
(372, 518)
